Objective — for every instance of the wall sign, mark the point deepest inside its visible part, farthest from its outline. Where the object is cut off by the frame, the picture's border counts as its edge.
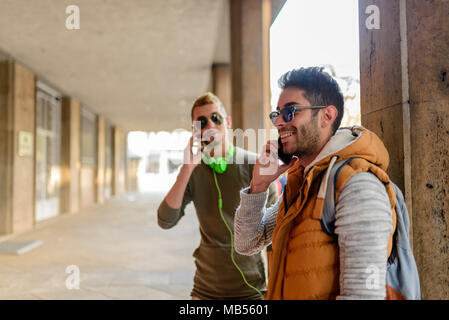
(26, 142)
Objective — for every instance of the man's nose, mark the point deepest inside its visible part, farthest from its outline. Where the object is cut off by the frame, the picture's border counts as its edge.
(279, 122)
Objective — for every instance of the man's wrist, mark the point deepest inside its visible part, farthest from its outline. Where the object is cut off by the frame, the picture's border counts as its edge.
(186, 169)
(257, 188)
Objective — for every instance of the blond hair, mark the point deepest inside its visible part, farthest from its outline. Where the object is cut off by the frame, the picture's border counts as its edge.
(208, 98)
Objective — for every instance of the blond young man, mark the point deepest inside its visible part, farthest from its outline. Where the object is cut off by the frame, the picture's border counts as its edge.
(203, 179)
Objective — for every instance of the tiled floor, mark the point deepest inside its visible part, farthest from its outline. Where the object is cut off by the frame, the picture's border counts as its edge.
(118, 247)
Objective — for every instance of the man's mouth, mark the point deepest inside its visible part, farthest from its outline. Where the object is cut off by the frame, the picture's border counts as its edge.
(286, 133)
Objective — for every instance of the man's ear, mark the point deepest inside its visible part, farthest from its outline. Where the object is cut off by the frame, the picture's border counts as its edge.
(329, 115)
(228, 122)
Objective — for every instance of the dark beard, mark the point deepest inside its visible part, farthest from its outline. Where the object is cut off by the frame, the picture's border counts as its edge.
(309, 140)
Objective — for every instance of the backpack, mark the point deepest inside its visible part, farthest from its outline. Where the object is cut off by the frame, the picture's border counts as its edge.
(402, 273)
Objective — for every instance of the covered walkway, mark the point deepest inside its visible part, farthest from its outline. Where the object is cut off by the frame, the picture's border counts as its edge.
(120, 250)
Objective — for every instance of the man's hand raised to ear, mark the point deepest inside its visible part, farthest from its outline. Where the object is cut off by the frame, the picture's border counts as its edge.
(267, 168)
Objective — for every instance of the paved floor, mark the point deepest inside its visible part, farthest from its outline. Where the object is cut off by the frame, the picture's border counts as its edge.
(118, 247)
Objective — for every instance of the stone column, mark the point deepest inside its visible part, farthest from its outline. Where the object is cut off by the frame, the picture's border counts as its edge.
(101, 158)
(428, 64)
(17, 147)
(250, 63)
(70, 155)
(405, 100)
(221, 84)
(118, 173)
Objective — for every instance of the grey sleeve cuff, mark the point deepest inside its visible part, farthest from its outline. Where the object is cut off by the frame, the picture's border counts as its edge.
(168, 217)
(253, 223)
(255, 201)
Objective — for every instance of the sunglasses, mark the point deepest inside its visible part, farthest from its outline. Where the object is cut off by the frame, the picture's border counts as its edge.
(215, 117)
(289, 112)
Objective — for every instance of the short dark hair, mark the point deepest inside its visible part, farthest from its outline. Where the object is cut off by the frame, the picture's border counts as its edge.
(319, 88)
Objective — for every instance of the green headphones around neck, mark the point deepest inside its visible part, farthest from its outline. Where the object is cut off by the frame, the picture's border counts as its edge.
(219, 165)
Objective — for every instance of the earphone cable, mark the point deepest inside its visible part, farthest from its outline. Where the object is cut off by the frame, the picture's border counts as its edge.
(220, 206)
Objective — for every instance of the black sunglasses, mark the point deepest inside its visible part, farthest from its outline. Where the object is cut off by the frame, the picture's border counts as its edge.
(289, 112)
(215, 117)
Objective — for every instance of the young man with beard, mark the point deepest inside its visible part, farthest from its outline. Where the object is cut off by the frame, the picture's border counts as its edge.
(212, 179)
(307, 262)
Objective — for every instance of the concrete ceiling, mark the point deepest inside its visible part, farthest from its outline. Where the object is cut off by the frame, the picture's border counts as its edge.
(140, 63)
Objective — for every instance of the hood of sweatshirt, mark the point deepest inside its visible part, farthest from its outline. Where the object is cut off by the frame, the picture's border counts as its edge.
(350, 142)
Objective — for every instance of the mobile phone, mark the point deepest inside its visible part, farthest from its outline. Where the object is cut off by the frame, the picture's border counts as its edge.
(195, 149)
(285, 158)
(196, 143)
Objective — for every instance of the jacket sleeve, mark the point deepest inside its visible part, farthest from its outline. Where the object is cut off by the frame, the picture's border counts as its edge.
(168, 217)
(254, 222)
(363, 225)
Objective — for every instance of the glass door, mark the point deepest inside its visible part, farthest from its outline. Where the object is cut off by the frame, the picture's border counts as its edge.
(48, 153)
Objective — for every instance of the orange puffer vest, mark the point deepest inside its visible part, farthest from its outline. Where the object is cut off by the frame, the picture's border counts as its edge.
(305, 262)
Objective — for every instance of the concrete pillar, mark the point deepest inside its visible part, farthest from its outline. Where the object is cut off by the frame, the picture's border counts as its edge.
(17, 129)
(88, 193)
(70, 155)
(118, 174)
(404, 99)
(108, 160)
(428, 47)
(250, 63)
(125, 162)
(221, 84)
(101, 158)
(381, 82)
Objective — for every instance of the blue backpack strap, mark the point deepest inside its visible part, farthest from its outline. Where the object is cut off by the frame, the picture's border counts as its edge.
(328, 215)
(402, 272)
